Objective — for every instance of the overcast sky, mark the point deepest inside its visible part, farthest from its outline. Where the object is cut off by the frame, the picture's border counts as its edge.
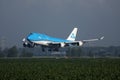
(57, 18)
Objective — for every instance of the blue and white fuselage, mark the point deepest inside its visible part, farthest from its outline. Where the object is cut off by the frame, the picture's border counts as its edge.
(35, 39)
(44, 39)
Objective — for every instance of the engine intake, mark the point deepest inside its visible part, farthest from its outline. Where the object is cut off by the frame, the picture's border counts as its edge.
(80, 43)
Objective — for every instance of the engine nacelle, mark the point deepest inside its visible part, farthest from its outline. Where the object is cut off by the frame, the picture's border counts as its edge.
(80, 43)
(62, 44)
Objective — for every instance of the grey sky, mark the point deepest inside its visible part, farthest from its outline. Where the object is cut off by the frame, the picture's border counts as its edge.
(57, 18)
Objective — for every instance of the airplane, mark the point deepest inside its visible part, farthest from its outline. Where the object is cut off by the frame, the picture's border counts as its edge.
(45, 41)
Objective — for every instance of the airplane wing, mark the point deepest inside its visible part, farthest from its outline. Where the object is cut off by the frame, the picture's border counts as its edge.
(90, 40)
(74, 43)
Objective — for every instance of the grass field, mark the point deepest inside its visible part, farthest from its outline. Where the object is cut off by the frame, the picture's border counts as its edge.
(59, 69)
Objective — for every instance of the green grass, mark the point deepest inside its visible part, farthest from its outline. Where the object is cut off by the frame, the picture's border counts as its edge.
(60, 69)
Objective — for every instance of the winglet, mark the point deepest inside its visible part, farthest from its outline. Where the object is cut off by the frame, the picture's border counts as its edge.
(102, 38)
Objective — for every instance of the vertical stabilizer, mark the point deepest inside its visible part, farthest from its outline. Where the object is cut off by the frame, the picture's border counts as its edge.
(72, 35)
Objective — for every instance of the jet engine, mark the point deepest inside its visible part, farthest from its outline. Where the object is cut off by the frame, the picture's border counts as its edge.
(62, 44)
(80, 43)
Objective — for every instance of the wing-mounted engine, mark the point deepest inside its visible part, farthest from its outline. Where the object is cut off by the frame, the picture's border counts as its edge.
(62, 44)
(79, 43)
(76, 43)
(57, 45)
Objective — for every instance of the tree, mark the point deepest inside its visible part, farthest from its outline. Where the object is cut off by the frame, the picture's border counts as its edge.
(5, 52)
(1, 53)
(12, 52)
(90, 53)
(26, 54)
(74, 52)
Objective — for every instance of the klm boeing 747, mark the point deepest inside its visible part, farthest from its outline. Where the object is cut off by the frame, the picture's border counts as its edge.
(45, 41)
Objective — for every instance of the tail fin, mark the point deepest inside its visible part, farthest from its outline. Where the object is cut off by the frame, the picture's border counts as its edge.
(72, 35)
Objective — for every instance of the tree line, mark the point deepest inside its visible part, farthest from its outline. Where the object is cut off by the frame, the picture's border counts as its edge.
(111, 51)
(99, 52)
(15, 52)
